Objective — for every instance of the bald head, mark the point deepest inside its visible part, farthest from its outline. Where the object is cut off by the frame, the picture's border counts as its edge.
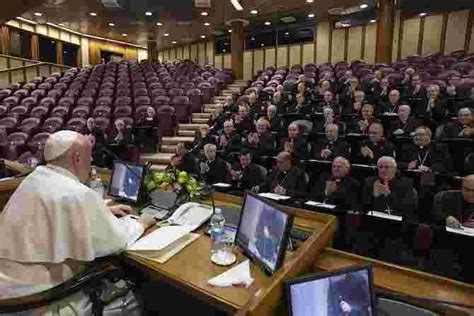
(394, 96)
(332, 132)
(340, 167)
(468, 188)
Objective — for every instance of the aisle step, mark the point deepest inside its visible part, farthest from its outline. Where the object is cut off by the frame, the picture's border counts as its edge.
(199, 120)
(168, 149)
(201, 115)
(159, 158)
(186, 133)
(158, 167)
(192, 127)
(174, 140)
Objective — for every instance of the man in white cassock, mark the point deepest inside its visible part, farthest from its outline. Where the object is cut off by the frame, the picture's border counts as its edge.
(53, 224)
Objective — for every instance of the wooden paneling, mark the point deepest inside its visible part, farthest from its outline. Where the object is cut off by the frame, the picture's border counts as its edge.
(354, 44)
(95, 46)
(218, 62)
(396, 32)
(295, 55)
(142, 54)
(172, 54)
(282, 56)
(338, 43)
(160, 56)
(227, 61)
(53, 32)
(370, 42)
(210, 52)
(14, 63)
(257, 60)
(4, 80)
(201, 54)
(456, 31)
(3, 63)
(248, 65)
(17, 76)
(308, 53)
(42, 29)
(411, 35)
(131, 53)
(75, 39)
(166, 55)
(28, 27)
(194, 52)
(30, 73)
(269, 57)
(432, 34)
(187, 52)
(85, 52)
(65, 36)
(322, 42)
(179, 53)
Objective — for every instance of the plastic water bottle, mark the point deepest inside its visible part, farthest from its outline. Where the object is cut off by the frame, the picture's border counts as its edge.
(96, 183)
(217, 232)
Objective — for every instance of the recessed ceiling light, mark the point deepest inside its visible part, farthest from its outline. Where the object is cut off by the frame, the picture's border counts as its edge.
(61, 24)
(309, 1)
(373, 21)
(311, 15)
(364, 6)
(237, 5)
(124, 34)
(253, 12)
(93, 14)
(38, 14)
(267, 23)
(252, 39)
(111, 24)
(174, 42)
(422, 14)
(159, 24)
(230, 31)
(166, 35)
(203, 36)
(204, 13)
(148, 13)
(287, 33)
(207, 24)
(262, 44)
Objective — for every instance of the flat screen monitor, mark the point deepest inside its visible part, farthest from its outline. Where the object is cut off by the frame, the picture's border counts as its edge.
(263, 232)
(126, 182)
(347, 291)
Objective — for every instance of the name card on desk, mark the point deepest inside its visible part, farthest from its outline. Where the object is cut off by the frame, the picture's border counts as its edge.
(318, 204)
(467, 231)
(385, 215)
(274, 196)
(221, 185)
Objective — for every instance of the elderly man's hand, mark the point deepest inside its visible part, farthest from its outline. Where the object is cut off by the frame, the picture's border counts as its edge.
(120, 210)
(326, 153)
(280, 190)
(413, 164)
(452, 222)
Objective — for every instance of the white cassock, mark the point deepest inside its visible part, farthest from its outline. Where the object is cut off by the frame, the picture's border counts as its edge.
(52, 224)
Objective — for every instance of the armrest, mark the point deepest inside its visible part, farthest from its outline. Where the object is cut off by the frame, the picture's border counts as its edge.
(96, 273)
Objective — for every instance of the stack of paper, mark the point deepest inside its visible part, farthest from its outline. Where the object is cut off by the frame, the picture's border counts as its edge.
(467, 231)
(274, 196)
(385, 215)
(238, 275)
(161, 238)
(319, 204)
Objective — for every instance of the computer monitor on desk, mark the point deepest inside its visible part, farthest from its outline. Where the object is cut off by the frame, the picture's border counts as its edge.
(263, 232)
(126, 183)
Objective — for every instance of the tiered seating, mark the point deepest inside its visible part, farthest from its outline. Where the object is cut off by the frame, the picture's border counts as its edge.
(106, 92)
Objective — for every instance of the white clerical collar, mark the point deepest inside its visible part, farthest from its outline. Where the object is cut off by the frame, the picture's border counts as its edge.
(62, 171)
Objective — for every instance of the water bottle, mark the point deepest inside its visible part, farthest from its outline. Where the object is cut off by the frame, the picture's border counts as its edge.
(96, 183)
(217, 232)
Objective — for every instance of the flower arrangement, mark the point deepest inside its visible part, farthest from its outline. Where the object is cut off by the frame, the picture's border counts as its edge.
(172, 179)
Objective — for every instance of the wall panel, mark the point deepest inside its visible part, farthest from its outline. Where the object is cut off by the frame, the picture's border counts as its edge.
(308, 53)
(338, 44)
(166, 55)
(42, 29)
(218, 61)
(194, 51)
(65, 36)
(179, 52)
(432, 34)
(282, 56)
(370, 41)
(3, 80)
(248, 65)
(471, 42)
(28, 27)
(295, 55)
(173, 54)
(14, 63)
(160, 56)
(396, 32)
(3, 63)
(322, 42)
(142, 54)
(411, 35)
(257, 60)
(227, 61)
(202, 54)
(75, 39)
(354, 44)
(270, 57)
(210, 52)
(30, 73)
(456, 31)
(85, 51)
(17, 76)
(53, 32)
(187, 52)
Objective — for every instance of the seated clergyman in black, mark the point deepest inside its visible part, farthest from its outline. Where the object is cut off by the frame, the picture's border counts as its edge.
(377, 146)
(286, 178)
(338, 187)
(388, 192)
(245, 175)
(212, 168)
(332, 146)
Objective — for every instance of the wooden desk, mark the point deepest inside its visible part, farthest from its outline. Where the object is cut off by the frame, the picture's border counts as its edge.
(190, 269)
(406, 281)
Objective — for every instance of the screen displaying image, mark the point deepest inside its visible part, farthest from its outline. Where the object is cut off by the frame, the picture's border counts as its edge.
(262, 229)
(343, 294)
(125, 183)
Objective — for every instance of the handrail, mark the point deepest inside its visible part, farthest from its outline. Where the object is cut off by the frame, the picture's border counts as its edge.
(19, 58)
(34, 65)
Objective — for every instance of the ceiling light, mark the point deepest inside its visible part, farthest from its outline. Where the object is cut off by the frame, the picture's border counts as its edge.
(204, 13)
(364, 6)
(166, 35)
(262, 44)
(373, 21)
(203, 36)
(207, 24)
(230, 31)
(38, 14)
(159, 24)
(254, 12)
(61, 24)
(252, 39)
(124, 34)
(309, 1)
(93, 14)
(148, 13)
(422, 14)
(237, 5)
(311, 15)
(267, 23)
(287, 33)
(112, 24)
(174, 42)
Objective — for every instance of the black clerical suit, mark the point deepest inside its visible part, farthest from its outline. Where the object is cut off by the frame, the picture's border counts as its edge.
(199, 143)
(413, 95)
(345, 197)
(97, 153)
(408, 127)
(337, 148)
(234, 143)
(387, 107)
(436, 113)
(453, 130)
(251, 177)
(216, 173)
(400, 200)
(380, 149)
(435, 156)
(294, 181)
(265, 147)
(245, 126)
(336, 107)
(354, 126)
(300, 147)
(452, 203)
(276, 124)
(379, 95)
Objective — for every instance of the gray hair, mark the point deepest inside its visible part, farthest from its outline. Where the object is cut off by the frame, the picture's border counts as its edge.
(210, 146)
(392, 160)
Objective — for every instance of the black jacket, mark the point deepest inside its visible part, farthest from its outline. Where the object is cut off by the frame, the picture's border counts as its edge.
(346, 196)
(451, 203)
(436, 113)
(217, 171)
(401, 199)
(294, 181)
(265, 147)
(199, 143)
(300, 147)
(408, 127)
(436, 156)
(383, 148)
(234, 143)
(338, 148)
(251, 176)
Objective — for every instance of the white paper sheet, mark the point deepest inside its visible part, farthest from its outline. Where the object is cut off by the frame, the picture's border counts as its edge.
(161, 238)
(274, 196)
(238, 275)
(385, 215)
(319, 204)
(221, 185)
(467, 231)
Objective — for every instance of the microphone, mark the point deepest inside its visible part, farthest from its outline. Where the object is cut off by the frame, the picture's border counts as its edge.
(210, 190)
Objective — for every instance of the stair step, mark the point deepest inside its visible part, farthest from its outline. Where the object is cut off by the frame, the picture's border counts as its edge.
(168, 149)
(174, 140)
(200, 120)
(192, 127)
(201, 115)
(159, 158)
(158, 167)
(208, 110)
(186, 133)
